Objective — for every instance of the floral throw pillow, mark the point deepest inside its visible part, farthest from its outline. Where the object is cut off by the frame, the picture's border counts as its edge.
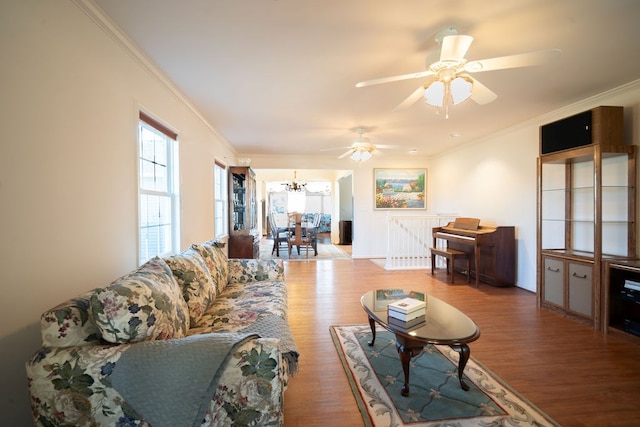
(217, 262)
(192, 274)
(143, 305)
(68, 324)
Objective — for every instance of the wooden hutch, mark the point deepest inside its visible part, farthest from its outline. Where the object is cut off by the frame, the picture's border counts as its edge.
(586, 210)
(244, 238)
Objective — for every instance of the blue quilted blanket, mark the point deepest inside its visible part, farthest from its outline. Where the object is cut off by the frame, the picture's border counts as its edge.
(170, 382)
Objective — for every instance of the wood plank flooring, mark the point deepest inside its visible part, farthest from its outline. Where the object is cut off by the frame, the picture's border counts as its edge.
(576, 375)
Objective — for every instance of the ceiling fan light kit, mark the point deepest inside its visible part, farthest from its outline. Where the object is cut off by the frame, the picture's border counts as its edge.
(361, 155)
(440, 93)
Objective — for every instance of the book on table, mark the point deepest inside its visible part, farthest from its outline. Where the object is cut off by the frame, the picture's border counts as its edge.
(406, 309)
(409, 325)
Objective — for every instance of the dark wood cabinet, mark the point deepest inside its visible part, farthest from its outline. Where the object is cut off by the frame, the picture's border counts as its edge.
(622, 297)
(346, 234)
(244, 238)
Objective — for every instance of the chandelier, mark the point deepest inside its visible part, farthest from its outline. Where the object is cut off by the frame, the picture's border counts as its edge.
(294, 184)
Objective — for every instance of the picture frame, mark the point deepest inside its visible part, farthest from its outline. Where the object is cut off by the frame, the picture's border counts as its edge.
(400, 189)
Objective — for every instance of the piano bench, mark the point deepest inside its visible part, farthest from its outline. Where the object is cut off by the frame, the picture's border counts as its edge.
(449, 255)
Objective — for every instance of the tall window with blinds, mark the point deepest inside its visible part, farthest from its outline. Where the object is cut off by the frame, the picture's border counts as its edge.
(158, 208)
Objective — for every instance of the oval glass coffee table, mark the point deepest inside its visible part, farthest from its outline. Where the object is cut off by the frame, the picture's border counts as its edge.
(443, 325)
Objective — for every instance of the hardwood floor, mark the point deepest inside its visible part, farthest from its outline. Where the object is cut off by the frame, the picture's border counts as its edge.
(576, 375)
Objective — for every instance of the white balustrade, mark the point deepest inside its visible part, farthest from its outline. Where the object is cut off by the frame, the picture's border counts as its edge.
(409, 240)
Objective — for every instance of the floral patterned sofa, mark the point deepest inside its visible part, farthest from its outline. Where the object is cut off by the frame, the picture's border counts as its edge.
(190, 339)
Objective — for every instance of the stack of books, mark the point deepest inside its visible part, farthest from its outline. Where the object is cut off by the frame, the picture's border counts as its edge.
(407, 313)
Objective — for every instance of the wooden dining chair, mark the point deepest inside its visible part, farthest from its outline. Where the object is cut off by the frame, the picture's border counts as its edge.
(296, 238)
(279, 234)
(312, 231)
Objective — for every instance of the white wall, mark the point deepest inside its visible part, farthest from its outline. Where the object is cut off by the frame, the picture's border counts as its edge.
(68, 171)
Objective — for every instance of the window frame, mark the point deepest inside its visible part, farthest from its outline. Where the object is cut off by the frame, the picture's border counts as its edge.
(220, 199)
(171, 192)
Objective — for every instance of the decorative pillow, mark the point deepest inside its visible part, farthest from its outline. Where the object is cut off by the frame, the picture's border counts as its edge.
(192, 274)
(145, 304)
(68, 324)
(217, 262)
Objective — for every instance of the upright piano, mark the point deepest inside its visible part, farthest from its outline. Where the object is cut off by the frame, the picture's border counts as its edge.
(491, 250)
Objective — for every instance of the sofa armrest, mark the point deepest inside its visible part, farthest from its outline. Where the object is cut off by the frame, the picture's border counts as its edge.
(255, 270)
(73, 386)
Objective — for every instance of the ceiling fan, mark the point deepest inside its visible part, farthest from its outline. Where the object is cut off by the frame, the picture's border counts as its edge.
(361, 149)
(447, 80)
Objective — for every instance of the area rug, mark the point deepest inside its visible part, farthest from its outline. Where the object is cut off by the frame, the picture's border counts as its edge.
(325, 251)
(436, 398)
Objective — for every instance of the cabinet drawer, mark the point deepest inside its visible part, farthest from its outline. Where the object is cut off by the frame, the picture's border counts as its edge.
(554, 281)
(581, 288)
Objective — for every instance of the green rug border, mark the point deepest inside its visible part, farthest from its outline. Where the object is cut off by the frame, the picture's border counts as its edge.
(364, 414)
(362, 406)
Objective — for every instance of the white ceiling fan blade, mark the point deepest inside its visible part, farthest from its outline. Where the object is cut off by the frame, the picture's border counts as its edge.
(482, 94)
(347, 153)
(394, 78)
(336, 148)
(376, 152)
(513, 61)
(411, 99)
(455, 47)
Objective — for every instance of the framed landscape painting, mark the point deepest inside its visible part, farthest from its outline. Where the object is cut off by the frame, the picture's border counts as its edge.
(400, 188)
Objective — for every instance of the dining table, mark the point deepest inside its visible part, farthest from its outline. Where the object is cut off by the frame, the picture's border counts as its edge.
(308, 229)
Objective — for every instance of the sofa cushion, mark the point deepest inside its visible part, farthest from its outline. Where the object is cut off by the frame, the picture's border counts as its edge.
(69, 324)
(144, 304)
(216, 261)
(254, 270)
(192, 274)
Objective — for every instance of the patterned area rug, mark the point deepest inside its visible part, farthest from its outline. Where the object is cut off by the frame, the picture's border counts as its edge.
(325, 251)
(436, 398)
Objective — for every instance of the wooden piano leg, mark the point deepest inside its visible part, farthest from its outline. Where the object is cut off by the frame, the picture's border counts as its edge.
(477, 260)
(433, 262)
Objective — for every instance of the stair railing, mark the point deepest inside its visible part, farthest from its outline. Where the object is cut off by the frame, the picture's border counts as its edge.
(409, 240)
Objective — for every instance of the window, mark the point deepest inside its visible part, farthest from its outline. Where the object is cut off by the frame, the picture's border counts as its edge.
(158, 208)
(221, 217)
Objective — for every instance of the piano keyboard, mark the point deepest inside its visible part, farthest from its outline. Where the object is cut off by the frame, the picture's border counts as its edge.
(455, 236)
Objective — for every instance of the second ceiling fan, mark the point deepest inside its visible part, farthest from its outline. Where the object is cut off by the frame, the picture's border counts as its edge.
(447, 81)
(361, 149)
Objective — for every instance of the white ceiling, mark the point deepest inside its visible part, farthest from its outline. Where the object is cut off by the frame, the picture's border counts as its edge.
(278, 76)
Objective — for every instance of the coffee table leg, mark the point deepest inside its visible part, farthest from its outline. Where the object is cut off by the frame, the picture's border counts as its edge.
(405, 358)
(372, 324)
(464, 352)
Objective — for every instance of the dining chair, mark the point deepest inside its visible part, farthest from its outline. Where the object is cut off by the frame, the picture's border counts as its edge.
(296, 237)
(279, 234)
(312, 231)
